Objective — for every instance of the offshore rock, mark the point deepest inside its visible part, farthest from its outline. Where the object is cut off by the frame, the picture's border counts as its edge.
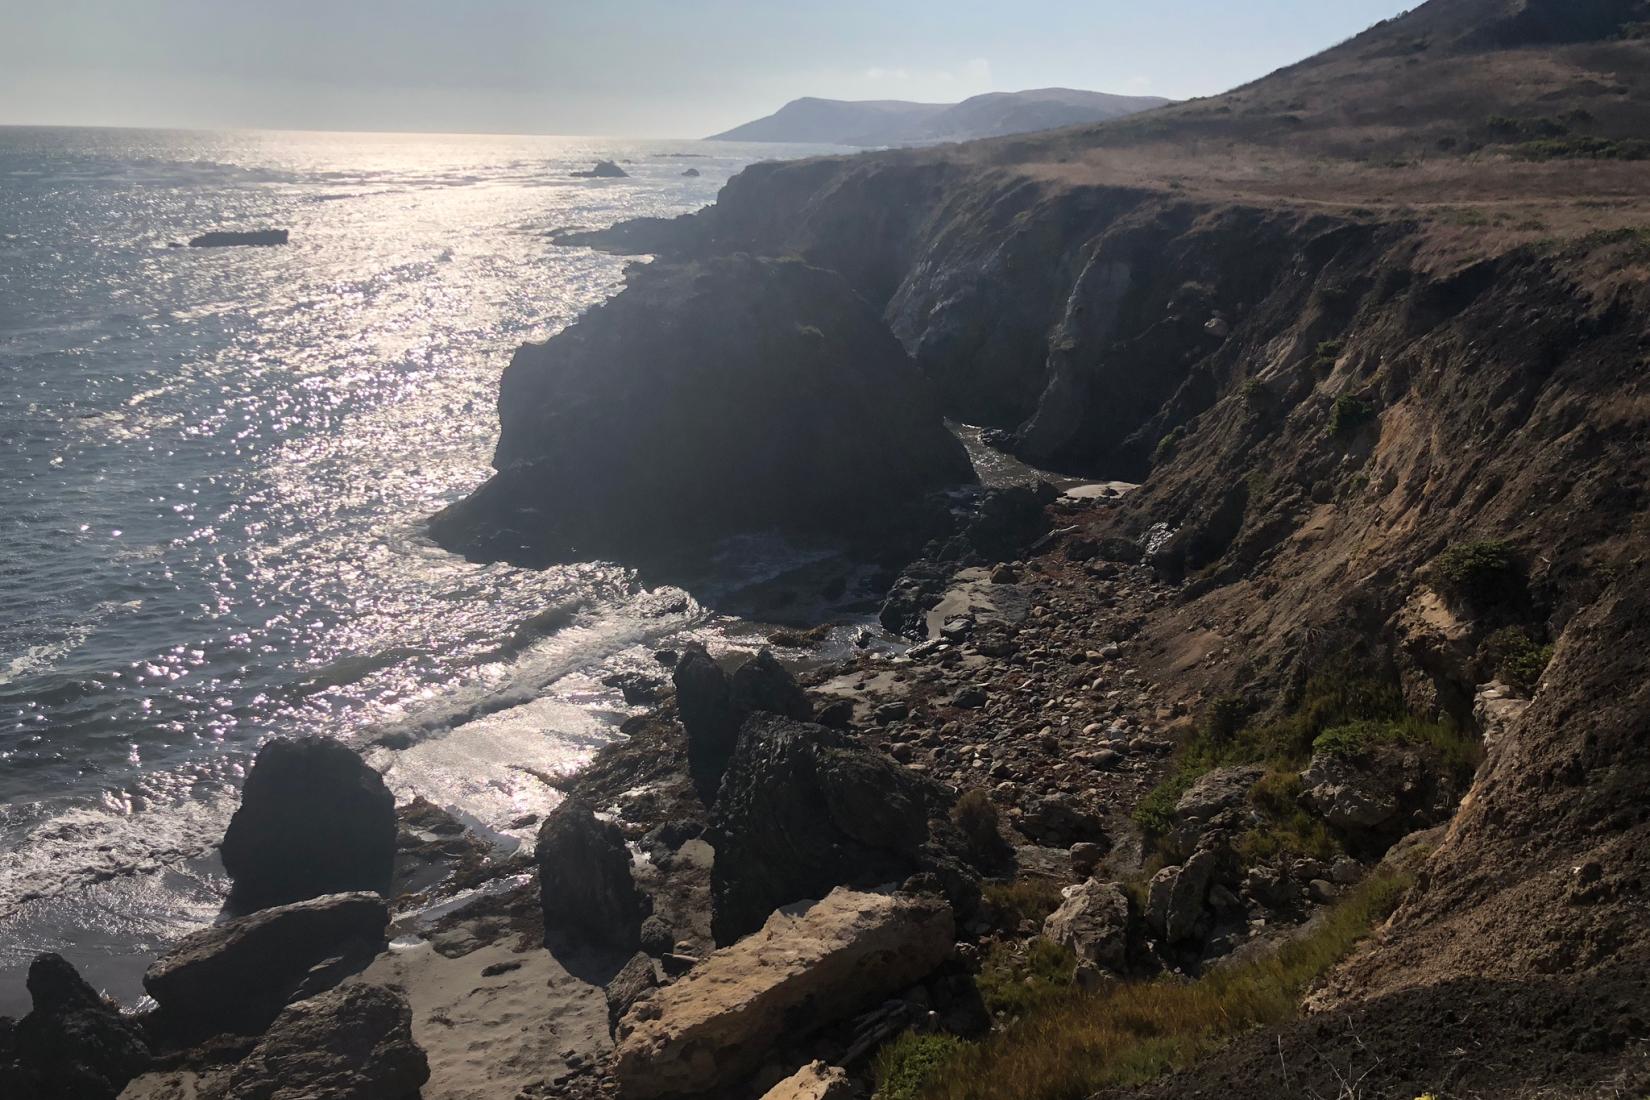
(704, 400)
(585, 882)
(73, 1045)
(810, 965)
(604, 169)
(314, 819)
(231, 239)
(352, 1043)
(804, 809)
(236, 976)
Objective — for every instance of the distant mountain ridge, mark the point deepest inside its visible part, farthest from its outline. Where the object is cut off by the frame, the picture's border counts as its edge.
(899, 122)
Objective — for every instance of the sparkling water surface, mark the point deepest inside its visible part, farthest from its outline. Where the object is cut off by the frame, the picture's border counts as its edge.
(215, 465)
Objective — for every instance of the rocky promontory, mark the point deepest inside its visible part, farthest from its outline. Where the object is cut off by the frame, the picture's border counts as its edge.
(707, 399)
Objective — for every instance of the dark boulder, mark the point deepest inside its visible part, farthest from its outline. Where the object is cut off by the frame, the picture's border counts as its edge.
(692, 173)
(236, 976)
(230, 239)
(604, 169)
(708, 399)
(352, 1043)
(713, 706)
(73, 1045)
(585, 882)
(804, 809)
(633, 982)
(314, 819)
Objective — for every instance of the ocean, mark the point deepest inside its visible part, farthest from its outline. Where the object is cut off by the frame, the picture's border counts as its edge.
(215, 465)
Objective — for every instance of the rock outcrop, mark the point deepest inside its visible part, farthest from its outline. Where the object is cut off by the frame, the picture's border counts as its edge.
(585, 882)
(237, 976)
(352, 1043)
(73, 1045)
(707, 399)
(314, 819)
(804, 809)
(810, 965)
(1177, 897)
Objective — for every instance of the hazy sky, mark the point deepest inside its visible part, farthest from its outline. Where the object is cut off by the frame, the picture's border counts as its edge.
(651, 68)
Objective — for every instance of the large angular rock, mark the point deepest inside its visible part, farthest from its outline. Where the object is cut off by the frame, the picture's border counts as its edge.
(810, 965)
(73, 1045)
(707, 399)
(314, 819)
(1215, 793)
(585, 882)
(804, 809)
(236, 976)
(351, 1043)
(1348, 794)
(763, 684)
(1177, 897)
(1093, 922)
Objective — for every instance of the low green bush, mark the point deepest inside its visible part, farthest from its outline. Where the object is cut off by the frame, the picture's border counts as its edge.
(904, 1067)
(1516, 658)
(1349, 413)
(1484, 572)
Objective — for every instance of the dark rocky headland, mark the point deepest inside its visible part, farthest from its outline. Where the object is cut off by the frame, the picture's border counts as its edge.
(1312, 766)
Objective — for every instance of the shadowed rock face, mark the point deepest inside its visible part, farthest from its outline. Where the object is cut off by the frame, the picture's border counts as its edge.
(585, 881)
(353, 1043)
(704, 400)
(314, 819)
(73, 1045)
(803, 809)
(714, 705)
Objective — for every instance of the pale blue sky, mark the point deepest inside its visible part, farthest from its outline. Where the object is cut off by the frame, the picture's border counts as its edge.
(647, 68)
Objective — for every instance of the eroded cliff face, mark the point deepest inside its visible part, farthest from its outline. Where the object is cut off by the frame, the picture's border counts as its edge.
(1323, 406)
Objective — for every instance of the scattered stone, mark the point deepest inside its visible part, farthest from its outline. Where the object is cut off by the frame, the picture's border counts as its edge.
(585, 881)
(314, 819)
(351, 1043)
(1086, 856)
(969, 698)
(810, 965)
(237, 975)
(1093, 922)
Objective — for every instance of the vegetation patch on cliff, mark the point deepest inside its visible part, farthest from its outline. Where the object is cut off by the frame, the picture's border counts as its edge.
(1069, 1043)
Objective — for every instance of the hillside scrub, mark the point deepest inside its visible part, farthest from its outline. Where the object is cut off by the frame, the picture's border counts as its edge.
(1069, 1043)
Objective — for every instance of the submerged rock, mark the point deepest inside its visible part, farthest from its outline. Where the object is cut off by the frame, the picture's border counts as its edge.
(704, 400)
(236, 976)
(810, 965)
(314, 819)
(352, 1043)
(230, 239)
(73, 1045)
(585, 882)
(804, 809)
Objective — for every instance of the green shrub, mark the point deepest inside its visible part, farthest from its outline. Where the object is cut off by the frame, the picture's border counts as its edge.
(1516, 658)
(1458, 752)
(1254, 394)
(1329, 352)
(1155, 812)
(1483, 573)
(905, 1066)
(1584, 148)
(1286, 828)
(1348, 414)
